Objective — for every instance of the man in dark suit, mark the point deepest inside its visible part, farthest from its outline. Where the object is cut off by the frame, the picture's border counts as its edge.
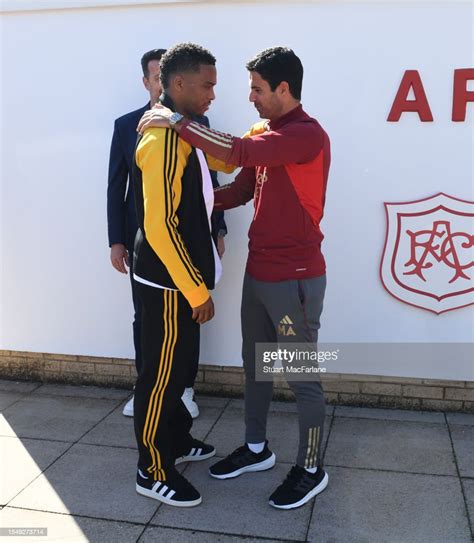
(121, 214)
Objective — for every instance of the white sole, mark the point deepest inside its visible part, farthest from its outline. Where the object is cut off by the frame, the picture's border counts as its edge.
(261, 466)
(155, 496)
(316, 490)
(182, 459)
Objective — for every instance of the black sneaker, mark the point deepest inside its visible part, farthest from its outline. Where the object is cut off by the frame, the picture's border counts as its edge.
(241, 461)
(298, 488)
(198, 451)
(176, 490)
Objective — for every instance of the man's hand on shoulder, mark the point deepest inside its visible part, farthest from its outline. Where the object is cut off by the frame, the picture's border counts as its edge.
(258, 128)
(204, 312)
(119, 257)
(156, 117)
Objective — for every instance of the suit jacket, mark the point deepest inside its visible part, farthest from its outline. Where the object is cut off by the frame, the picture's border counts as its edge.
(121, 213)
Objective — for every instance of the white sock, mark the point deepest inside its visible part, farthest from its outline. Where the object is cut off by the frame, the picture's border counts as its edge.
(312, 470)
(256, 447)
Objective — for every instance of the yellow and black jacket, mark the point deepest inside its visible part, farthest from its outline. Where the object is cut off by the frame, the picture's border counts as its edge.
(173, 246)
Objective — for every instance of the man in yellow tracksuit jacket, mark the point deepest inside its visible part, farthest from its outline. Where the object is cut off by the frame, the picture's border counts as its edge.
(175, 265)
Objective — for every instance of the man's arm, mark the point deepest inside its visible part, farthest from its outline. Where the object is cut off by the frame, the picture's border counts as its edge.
(217, 218)
(157, 151)
(237, 193)
(213, 163)
(295, 143)
(222, 166)
(218, 225)
(116, 189)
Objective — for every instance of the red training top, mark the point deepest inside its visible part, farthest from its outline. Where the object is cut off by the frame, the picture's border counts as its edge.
(285, 170)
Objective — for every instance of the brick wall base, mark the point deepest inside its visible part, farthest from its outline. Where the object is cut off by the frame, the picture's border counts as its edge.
(340, 389)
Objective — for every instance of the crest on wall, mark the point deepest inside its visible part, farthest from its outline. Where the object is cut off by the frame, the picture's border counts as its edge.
(428, 258)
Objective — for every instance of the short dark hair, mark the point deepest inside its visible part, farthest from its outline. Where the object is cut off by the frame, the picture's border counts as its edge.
(154, 54)
(183, 57)
(279, 64)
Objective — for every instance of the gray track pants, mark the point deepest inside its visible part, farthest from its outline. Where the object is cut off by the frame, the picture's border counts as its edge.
(266, 308)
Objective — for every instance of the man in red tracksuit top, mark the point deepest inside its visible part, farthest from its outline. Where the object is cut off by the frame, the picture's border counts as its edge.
(285, 164)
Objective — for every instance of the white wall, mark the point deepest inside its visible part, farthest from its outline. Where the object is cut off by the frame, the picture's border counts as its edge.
(66, 76)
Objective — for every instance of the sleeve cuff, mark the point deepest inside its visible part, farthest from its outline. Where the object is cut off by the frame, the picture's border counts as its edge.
(197, 296)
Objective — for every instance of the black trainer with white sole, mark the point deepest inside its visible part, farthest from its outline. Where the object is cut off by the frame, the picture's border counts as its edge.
(199, 451)
(243, 460)
(299, 487)
(176, 490)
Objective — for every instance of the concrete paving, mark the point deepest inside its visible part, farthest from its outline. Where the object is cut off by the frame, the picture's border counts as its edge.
(68, 459)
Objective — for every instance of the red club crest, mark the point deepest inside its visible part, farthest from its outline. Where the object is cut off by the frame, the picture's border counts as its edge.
(428, 258)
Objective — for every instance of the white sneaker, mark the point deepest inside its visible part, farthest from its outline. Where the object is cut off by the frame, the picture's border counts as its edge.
(128, 408)
(191, 405)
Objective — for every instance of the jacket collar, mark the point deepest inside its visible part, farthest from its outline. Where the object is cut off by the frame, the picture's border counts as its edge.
(294, 114)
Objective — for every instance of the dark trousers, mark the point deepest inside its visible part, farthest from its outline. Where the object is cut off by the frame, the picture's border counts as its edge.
(268, 312)
(170, 338)
(193, 365)
(137, 315)
(137, 323)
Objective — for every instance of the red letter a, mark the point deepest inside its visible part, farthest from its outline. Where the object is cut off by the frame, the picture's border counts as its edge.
(411, 80)
(461, 96)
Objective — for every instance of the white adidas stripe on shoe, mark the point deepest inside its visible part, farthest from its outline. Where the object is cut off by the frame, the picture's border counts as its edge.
(182, 495)
(197, 453)
(165, 495)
